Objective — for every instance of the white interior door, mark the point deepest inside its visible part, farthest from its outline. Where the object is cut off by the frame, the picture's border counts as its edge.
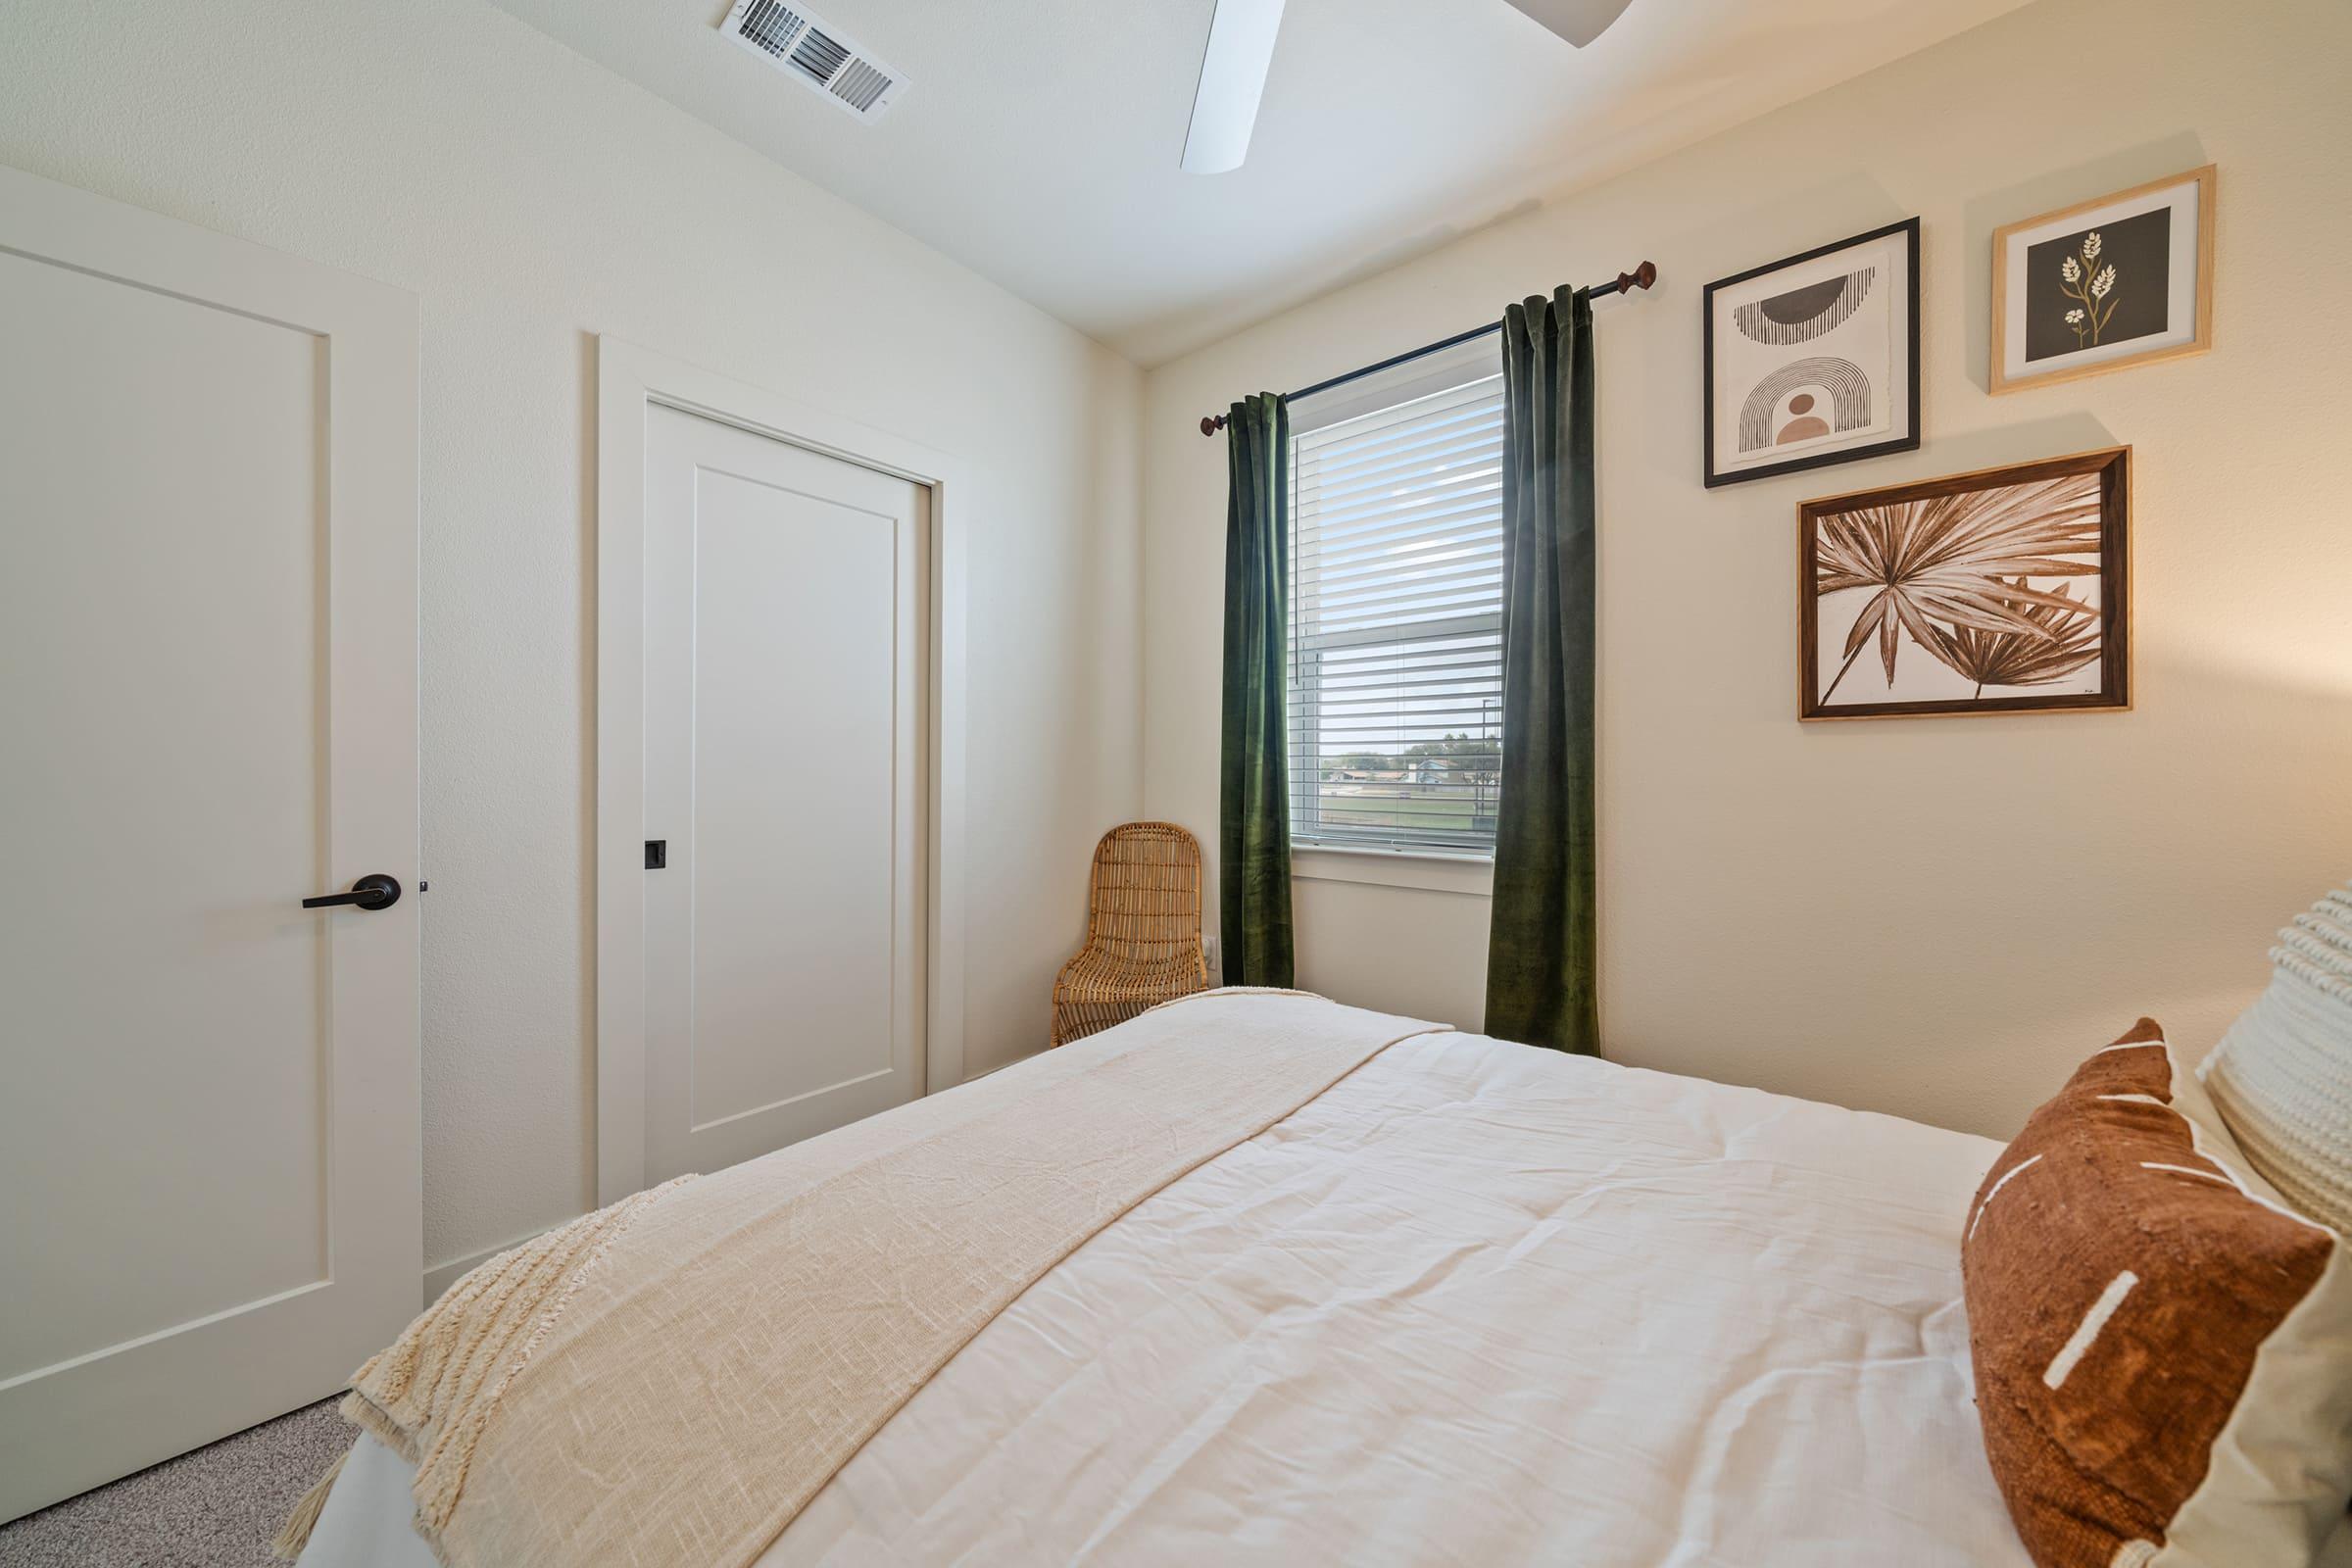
(785, 653)
(210, 1205)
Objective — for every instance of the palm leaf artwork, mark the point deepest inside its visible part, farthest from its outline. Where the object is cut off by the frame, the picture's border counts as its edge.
(2016, 659)
(1952, 563)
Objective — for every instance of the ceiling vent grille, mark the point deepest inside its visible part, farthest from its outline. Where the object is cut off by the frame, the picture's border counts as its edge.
(817, 54)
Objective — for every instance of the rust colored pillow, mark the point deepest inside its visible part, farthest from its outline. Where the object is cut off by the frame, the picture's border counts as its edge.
(2163, 1348)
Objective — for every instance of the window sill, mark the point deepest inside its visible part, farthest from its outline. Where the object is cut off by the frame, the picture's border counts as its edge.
(1472, 876)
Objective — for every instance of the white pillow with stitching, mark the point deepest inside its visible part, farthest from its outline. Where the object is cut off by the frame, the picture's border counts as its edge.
(2282, 1077)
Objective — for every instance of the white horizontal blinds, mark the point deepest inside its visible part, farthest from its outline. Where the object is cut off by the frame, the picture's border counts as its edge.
(1396, 672)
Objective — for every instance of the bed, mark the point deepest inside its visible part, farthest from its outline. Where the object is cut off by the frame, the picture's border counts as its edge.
(1475, 1302)
(1468, 1304)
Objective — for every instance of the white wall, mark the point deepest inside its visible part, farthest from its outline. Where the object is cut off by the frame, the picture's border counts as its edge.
(534, 200)
(1932, 917)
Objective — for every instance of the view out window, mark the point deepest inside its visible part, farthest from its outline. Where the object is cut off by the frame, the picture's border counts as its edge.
(1395, 656)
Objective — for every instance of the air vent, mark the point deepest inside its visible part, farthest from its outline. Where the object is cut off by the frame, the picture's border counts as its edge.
(815, 53)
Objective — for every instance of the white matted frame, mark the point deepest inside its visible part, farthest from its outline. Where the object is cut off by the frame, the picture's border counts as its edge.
(630, 379)
(2189, 326)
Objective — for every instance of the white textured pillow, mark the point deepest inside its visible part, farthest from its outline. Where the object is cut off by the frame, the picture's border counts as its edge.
(2282, 1077)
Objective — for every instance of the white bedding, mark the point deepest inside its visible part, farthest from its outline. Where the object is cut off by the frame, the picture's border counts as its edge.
(1478, 1303)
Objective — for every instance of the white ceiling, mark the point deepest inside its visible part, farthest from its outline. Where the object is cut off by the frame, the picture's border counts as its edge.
(1037, 140)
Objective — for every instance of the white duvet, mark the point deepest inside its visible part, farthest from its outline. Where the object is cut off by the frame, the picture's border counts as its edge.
(1478, 1303)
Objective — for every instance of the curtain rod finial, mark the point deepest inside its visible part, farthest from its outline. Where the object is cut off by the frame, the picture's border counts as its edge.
(1211, 424)
(1640, 277)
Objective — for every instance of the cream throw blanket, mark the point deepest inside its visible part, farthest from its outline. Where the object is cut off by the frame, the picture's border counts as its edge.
(668, 1381)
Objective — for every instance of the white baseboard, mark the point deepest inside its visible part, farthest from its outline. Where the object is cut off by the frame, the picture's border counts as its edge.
(441, 1276)
(973, 1078)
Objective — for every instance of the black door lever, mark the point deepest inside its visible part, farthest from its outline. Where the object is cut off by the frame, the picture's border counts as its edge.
(376, 892)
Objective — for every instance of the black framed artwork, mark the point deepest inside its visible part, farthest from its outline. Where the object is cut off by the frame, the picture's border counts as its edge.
(1814, 360)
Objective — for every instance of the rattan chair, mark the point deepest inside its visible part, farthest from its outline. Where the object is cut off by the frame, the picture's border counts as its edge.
(1143, 931)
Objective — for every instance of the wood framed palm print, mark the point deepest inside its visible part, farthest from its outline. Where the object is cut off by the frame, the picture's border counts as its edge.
(1814, 360)
(2123, 280)
(2002, 591)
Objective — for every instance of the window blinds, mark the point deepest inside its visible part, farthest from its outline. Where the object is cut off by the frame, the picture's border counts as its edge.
(1395, 676)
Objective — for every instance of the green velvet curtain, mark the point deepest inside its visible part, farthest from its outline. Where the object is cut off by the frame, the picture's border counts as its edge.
(1540, 958)
(1253, 827)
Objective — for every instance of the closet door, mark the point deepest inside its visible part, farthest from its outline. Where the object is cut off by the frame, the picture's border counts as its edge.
(207, 686)
(784, 658)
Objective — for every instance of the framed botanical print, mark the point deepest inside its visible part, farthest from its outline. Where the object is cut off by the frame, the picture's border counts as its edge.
(1814, 360)
(1997, 592)
(2126, 279)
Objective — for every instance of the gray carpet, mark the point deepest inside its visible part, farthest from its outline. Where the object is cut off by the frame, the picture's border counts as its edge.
(215, 1508)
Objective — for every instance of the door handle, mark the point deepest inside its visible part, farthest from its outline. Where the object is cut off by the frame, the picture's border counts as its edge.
(374, 892)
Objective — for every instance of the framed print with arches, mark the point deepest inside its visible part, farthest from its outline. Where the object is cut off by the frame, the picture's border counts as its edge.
(1814, 360)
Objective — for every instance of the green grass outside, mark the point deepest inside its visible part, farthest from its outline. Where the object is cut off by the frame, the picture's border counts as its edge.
(1443, 810)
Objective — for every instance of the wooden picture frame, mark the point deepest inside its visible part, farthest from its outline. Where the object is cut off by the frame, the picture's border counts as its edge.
(1835, 328)
(1996, 594)
(2067, 273)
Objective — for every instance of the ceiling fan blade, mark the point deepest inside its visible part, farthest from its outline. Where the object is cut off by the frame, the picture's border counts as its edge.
(1579, 21)
(1232, 74)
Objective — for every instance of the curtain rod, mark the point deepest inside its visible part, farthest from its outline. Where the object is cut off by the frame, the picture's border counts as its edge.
(1624, 283)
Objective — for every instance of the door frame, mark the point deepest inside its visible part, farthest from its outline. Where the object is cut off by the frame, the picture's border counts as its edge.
(631, 380)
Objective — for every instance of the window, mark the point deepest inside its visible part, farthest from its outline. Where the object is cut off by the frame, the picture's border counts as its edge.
(1395, 656)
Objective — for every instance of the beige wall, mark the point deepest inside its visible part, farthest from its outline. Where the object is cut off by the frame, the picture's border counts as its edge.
(1883, 915)
(1931, 918)
(533, 200)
